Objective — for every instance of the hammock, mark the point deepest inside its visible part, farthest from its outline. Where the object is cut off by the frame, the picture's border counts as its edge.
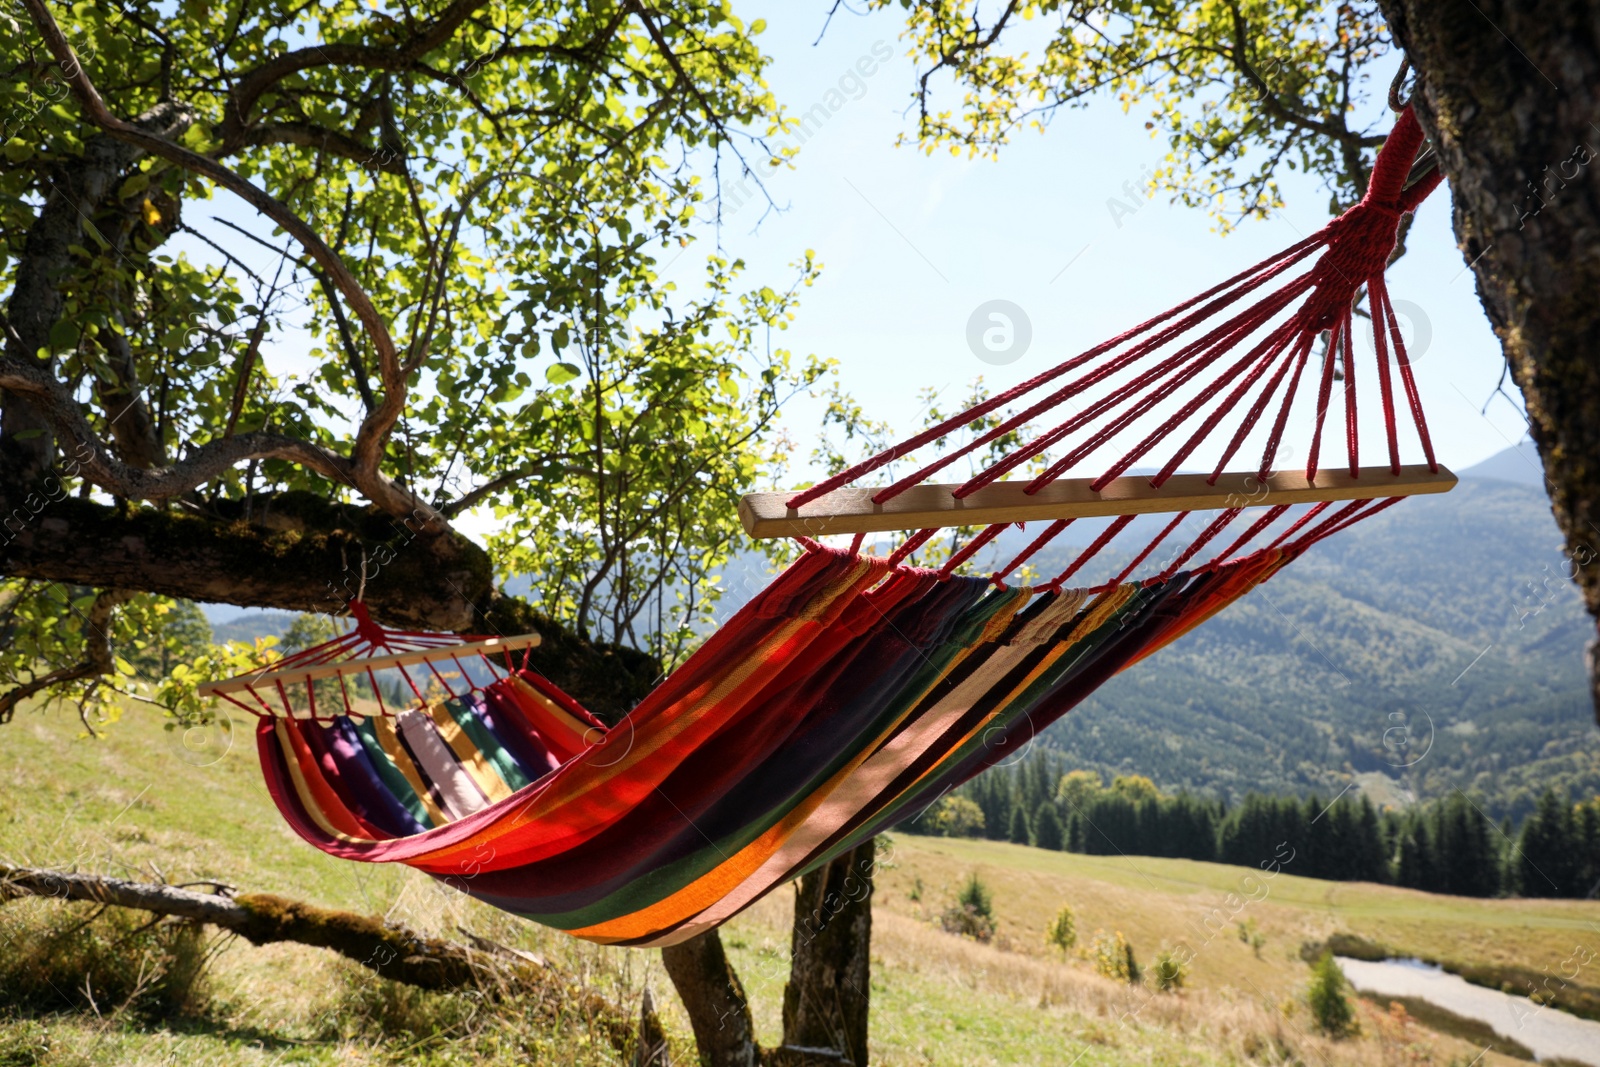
(854, 691)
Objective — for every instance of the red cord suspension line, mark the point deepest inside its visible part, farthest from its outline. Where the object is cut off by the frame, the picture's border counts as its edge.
(1271, 344)
(1215, 527)
(1324, 397)
(1051, 532)
(912, 543)
(1217, 335)
(1329, 529)
(989, 533)
(1117, 526)
(1294, 527)
(1255, 361)
(1145, 552)
(1269, 454)
(377, 692)
(1199, 353)
(1351, 432)
(1376, 295)
(1273, 514)
(1408, 380)
(855, 542)
(1252, 416)
(1245, 280)
(246, 707)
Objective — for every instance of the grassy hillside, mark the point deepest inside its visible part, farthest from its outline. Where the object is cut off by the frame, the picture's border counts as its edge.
(143, 802)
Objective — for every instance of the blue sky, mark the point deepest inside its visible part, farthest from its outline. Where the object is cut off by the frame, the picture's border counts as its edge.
(912, 243)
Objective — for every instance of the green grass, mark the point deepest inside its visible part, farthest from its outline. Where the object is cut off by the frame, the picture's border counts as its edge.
(133, 804)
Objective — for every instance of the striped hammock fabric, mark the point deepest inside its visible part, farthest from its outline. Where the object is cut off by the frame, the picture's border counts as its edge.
(854, 691)
(842, 700)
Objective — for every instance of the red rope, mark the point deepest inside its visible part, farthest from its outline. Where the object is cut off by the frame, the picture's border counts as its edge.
(988, 534)
(1203, 351)
(1329, 528)
(1272, 515)
(1271, 266)
(1269, 454)
(1089, 553)
(1151, 547)
(1324, 392)
(912, 543)
(1051, 532)
(1215, 527)
(1316, 509)
(1410, 382)
(1351, 444)
(1378, 296)
(1253, 415)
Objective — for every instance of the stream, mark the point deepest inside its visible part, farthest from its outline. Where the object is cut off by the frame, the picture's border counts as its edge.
(1548, 1032)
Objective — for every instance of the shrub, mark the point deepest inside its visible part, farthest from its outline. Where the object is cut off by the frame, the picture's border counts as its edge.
(958, 817)
(54, 957)
(1062, 931)
(972, 915)
(1169, 973)
(1330, 1008)
(1251, 935)
(1113, 957)
(374, 1008)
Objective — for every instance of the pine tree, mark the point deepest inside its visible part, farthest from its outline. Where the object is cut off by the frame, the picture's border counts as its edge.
(1548, 862)
(1326, 997)
(1047, 829)
(1018, 834)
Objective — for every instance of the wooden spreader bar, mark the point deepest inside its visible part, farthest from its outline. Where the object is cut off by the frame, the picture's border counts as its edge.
(922, 507)
(354, 667)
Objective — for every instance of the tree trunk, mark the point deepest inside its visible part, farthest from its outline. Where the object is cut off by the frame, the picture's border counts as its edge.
(825, 1000)
(825, 1003)
(1509, 92)
(714, 998)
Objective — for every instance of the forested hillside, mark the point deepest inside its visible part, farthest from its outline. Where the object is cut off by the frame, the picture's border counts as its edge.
(1437, 645)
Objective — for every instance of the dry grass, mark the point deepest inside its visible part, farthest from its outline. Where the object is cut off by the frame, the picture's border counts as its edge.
(132, 805)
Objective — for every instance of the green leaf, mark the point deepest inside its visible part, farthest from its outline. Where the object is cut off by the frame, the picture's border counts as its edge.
(561, 373)
(134, 185)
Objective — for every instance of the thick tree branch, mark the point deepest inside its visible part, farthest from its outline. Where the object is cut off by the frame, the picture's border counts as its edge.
(95, 461)
(387, 949)
(365, 467)
(300, 552)
(334, 142)
(255, 83)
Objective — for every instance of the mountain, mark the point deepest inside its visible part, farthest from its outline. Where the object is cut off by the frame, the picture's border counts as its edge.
(249, 624)
(1520, 464)
(1436, 646)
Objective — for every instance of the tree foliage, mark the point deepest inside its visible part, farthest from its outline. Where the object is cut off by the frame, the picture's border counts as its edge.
(452, 302)
(1240, 89)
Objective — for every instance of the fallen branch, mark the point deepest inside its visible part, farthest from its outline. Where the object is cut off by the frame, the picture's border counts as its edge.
(388, 949)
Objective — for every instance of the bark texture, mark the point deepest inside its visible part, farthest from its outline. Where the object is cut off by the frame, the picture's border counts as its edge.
(825, 1003)
(301, 552)
(826, 999)
(714, 998)
(384, 948)
(1509, 91)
